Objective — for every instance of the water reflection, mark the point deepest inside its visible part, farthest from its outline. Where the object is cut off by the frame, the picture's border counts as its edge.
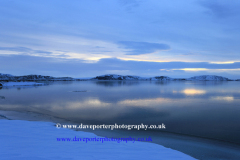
(190, 92)
(193, 91)
(148, 103)
(116, 83)
(2, 97)
(196, 108)
(222, 98)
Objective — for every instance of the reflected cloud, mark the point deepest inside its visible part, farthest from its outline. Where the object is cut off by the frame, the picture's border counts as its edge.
(91, 103)
(190, 92)
(151, 102)
(175, 91)
(193, 92)
(223, 98)
(96, 103)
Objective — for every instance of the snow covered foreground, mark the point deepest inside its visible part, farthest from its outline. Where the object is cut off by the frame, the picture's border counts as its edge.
(25, 140)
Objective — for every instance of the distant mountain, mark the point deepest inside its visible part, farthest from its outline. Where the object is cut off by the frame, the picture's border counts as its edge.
(120, 77)
(208, 78)
(11, 78)
(161, 78)
(115, 77)
(5, 76)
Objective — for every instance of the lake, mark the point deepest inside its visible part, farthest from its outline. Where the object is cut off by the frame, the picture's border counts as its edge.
(203, 108)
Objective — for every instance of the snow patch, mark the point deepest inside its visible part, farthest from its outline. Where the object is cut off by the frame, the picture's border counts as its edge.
(38, 140)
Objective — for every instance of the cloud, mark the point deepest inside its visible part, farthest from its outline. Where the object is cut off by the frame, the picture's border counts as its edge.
(130, 4)
(184, 26)
(222, 9)
(106, 29)
(24, 64)
(24, 50)
(137, 48)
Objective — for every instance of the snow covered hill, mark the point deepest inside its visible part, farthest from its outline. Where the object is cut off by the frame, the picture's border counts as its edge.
(33, 78)
(8, 77)
(161, 78)
(115, 77)
(208, 78)
(5, 76)
(128, 77)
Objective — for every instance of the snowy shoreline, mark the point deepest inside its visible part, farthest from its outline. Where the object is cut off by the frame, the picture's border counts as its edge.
(193, 146)
(38, 140)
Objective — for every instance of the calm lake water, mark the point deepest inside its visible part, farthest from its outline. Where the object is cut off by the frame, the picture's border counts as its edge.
(204, 109)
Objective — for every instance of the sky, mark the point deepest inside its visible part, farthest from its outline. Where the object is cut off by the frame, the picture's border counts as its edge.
(87, 38)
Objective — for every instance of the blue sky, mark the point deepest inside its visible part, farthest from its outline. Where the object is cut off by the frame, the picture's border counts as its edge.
(129, 37)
